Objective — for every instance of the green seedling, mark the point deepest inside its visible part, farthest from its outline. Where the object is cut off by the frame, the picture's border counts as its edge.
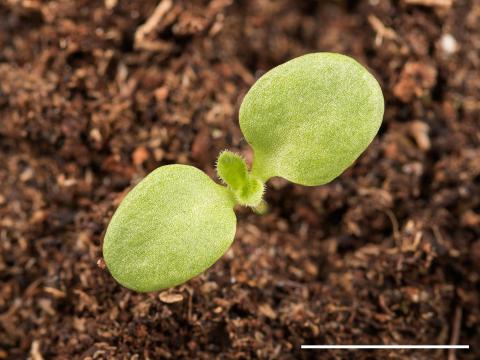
(307, 120)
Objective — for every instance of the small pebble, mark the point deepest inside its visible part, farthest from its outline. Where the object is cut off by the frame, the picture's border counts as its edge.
(101, 264)
(449, 44)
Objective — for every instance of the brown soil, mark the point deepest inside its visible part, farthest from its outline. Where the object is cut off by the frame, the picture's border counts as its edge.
(388, 253)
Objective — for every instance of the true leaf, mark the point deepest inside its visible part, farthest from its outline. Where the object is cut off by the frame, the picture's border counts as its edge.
(246, 188)
(232, 169)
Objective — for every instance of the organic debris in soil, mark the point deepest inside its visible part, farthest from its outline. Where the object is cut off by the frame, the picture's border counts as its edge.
(94, 95)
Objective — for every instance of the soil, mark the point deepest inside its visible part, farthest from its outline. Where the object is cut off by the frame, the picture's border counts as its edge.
(91, 101)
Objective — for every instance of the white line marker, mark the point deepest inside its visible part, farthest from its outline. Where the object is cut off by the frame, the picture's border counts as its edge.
(385, 346)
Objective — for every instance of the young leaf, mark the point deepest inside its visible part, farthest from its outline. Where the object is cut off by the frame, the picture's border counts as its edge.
(311, 117)
(232, 169)
(169, 228)
(251, 194)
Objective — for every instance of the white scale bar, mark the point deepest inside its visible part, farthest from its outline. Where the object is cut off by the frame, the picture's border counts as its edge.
(385, 346)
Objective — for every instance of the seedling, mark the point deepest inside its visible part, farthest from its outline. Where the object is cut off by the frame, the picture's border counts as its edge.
(307, 120)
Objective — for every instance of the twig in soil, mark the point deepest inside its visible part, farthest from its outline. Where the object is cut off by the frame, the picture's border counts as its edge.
(382, 31)
(457, 322)
(439, 3)
(27, 5)
(110, 4)
(35, 353)
(141, 41)
(190, 304)
(394, 221)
